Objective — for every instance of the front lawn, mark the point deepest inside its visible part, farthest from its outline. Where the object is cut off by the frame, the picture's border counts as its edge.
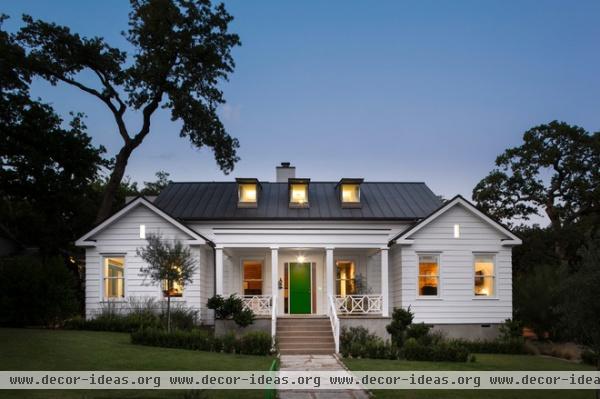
(485, 362)
(28, 349)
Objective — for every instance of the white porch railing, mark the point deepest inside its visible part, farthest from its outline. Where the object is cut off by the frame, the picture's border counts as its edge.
(358, 304)
(259, 304)
(335, 324)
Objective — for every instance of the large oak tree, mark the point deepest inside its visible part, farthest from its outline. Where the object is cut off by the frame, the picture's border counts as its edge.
(182, 51)
(555, 172)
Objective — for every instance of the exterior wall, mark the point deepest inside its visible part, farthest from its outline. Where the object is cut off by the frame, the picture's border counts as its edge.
(375, 324)
(122, 239)
(456, 303)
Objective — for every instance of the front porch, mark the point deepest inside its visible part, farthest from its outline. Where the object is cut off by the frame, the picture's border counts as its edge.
(306, 281)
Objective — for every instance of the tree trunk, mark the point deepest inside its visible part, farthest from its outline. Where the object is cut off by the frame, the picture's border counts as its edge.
(112, 187)
(169, 312)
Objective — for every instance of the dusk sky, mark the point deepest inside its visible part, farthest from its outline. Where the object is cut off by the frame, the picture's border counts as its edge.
(425, 91)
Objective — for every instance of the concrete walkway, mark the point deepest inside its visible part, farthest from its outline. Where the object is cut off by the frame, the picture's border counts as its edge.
(316, 363)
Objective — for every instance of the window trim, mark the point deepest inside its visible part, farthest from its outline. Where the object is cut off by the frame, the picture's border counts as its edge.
(305, 182)
(103, 258)
(243, 181)
(438, 255)
(350, 181)
(356, 271)
(494, 276)
(262, 272)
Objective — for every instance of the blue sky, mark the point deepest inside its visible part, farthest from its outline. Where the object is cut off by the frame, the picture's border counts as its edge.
(406, 91)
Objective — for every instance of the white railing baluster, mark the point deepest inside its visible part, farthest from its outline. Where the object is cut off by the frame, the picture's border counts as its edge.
(358, 304)
(258, 304)
(335, 323)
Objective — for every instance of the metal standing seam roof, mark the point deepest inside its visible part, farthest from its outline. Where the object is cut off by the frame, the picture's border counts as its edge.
(218, 201)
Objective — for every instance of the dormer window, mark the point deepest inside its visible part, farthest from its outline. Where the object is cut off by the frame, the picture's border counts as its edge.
(248, 190)
(298, 189)
(350, 192)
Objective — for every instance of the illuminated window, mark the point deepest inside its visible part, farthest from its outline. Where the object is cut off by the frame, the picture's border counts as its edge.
(345, 278)
(298, 192)
(248, 192)
(429, 275)
(114, 277)
(350, 193)
(174, 289)
(485, 275)
(252, 277)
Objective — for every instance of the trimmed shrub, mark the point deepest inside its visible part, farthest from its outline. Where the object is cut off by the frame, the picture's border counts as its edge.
(512, 347)
(36, 292)
(417, 331)
(439, 352)
(359, 342)
(589, 357)
(401, 319)
(135, 315)
(231, 307)
(253, 343)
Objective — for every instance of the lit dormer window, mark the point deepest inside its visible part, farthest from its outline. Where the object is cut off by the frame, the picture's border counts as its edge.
(298, 192)
(350, 192)
(248, 192)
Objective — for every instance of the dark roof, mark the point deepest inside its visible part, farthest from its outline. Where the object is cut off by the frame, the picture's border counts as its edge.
(218, 201)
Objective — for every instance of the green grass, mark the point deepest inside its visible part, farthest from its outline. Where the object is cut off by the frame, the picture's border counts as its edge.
(485, 362)
(28, 349)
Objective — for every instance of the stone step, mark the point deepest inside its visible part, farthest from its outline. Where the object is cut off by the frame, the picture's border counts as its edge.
(328, 351)
(303, 329)
(305, 324)
(304, 340)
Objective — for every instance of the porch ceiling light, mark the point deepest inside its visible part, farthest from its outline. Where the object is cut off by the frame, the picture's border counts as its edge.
(301, 258)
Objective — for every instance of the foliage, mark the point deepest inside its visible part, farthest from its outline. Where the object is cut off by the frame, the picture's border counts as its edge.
(36, 292)
(182, 50)
(231, 307)
(359, 342)
(155, 187)
(511, 329)
(556, 170)
(417, 331)
(136, 315)
(450, 351)
(514, 346)
(252, 343)
(401, 319)
(537, 300)
(167, 262)
(590, 357)
(580, 306)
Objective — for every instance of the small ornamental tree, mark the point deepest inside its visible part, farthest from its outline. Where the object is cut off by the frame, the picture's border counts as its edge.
(168, 263)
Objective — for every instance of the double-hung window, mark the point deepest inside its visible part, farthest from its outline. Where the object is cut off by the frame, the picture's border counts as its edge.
(485, 275)
(429, 275)
(114, 277)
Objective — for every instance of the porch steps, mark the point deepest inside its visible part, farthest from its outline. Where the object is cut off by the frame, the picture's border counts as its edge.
(305, 336)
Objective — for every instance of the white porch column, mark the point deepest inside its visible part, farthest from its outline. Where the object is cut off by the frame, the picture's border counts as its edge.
(275, 275)
(329, 274)
(385, 302)
(219, 270)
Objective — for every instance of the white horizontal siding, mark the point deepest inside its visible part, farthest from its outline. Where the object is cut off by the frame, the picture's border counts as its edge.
(456, 303)
(121, 238)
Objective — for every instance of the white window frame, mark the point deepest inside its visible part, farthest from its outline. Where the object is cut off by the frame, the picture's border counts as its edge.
(103, 260)
(356, 270)
(494, 276)
(438, 255)
(262, 272)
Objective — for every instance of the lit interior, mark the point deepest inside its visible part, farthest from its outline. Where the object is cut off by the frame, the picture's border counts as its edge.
(350, 193)
(247, 192)
(299, 193)
(252, 278)
(174, 290)
(114, 273)
(346, 278)
(484, 276)
(428, 275)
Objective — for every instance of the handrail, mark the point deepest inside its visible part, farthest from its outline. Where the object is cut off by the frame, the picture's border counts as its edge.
(259, 304)
(361, 304)
(273, 318)
(335, 323)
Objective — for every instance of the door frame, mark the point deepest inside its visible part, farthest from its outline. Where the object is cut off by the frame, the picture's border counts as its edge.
(310, 285)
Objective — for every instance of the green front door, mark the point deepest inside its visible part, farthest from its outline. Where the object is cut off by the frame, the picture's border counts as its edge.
(300, 288)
